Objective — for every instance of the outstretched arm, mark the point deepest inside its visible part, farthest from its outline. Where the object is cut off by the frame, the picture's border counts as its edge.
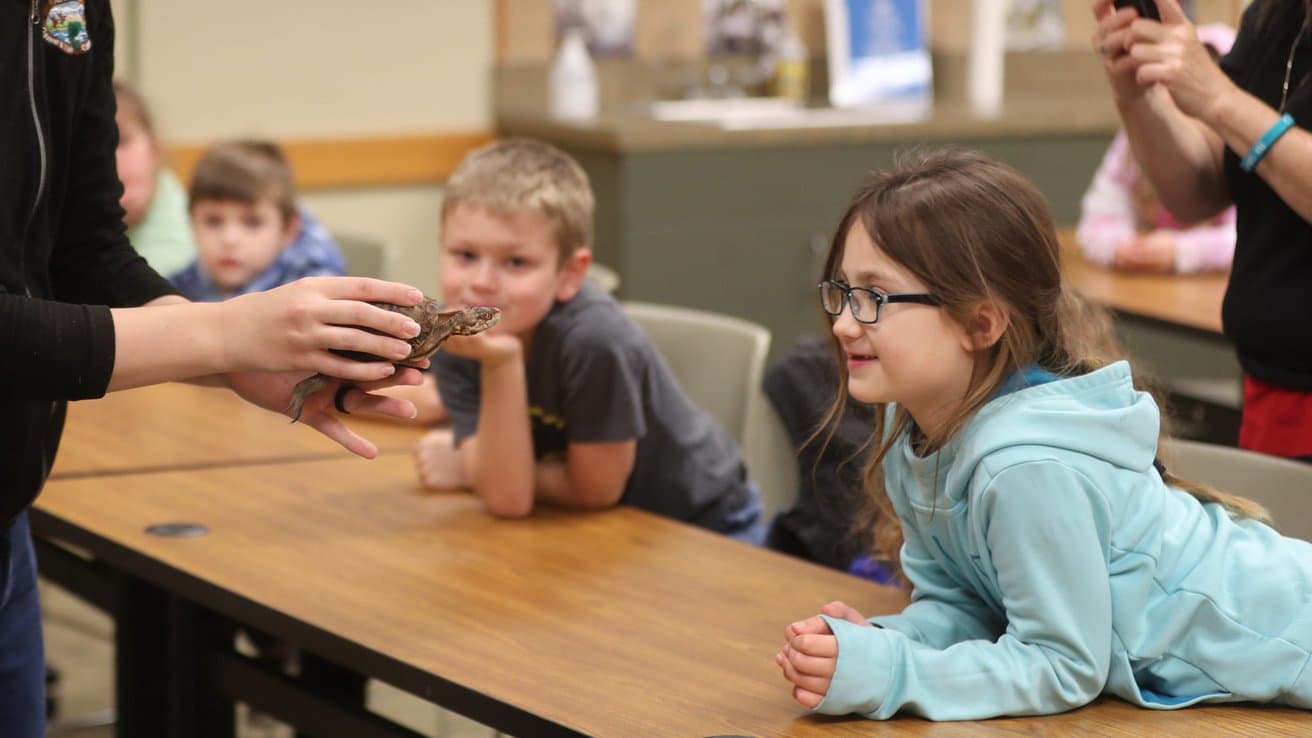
(1046, 534)
(289, 328)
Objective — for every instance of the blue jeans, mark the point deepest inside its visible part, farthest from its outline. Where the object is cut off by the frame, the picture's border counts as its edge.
(22, 654)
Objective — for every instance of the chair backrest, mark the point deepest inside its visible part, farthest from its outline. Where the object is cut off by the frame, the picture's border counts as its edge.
(1283, 486)
(718, 359)
(365, 257)
(770, 457)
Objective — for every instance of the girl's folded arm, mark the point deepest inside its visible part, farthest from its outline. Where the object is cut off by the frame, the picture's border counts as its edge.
(1047, 536)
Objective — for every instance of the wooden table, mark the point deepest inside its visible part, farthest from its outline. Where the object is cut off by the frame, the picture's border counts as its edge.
(1186, 302)
(183, 426)
(616, 623)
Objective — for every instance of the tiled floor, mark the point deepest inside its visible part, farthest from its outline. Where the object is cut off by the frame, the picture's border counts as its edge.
(79, 644)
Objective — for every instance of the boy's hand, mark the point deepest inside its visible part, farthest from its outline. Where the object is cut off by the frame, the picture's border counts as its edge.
(810, 653)
(291, 327)
(272, 390)
(438, 461)
(487, 348)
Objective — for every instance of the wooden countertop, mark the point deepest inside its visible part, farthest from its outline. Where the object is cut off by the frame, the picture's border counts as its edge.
(950, 122)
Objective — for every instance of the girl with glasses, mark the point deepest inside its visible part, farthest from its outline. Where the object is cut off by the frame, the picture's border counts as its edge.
(1015, 479)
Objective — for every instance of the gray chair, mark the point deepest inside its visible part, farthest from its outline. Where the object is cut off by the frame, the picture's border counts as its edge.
(365, 257)
(1283, 486)
(771, 458)
(720, 360)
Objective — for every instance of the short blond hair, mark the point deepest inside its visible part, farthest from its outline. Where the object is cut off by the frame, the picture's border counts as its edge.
(518, 174)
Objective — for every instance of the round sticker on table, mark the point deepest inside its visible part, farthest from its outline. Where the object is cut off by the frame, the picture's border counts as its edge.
(177, 530)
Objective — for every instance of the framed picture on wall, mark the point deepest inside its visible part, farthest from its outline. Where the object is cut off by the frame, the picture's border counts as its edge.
(879, 56)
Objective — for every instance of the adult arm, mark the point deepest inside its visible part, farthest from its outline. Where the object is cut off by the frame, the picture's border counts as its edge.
(1179, 154)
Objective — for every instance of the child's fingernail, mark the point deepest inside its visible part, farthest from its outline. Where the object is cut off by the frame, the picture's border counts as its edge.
(416, 295)
(411, 328)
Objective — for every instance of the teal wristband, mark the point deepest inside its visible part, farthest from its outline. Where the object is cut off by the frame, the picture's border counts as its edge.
(1268, 139)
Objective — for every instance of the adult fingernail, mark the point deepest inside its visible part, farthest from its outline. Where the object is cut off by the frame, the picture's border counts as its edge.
(415, 295)
(411, 328)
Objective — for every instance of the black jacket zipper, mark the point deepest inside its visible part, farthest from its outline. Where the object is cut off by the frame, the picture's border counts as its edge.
(40, 133)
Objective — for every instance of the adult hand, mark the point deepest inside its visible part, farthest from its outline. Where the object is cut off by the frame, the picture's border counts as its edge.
(438, 461)
(810, 653)
(1111, 41)
(1169, 54)
(293, 326)
(1153, 252)
(272, 391)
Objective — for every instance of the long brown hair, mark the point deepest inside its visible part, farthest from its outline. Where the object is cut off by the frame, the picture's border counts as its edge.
(975, 230)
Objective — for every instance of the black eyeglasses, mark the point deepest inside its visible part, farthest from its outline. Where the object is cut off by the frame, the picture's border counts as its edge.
(867, 304)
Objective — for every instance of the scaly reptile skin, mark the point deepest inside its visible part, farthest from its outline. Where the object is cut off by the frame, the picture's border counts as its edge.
(435, 326)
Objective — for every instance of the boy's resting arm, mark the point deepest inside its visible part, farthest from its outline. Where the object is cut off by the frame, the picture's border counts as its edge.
(499, 458)
(593, 476)
(1046, 532)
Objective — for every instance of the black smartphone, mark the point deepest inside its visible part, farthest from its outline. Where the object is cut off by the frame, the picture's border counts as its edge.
(1147, 8)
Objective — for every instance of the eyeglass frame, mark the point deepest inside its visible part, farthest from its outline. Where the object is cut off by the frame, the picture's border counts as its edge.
(881, 299)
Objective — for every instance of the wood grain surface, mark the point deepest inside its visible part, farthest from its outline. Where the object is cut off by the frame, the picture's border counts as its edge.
(175, 425)
(1190, 301)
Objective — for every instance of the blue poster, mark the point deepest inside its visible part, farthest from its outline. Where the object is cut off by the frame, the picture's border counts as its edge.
(878, 54)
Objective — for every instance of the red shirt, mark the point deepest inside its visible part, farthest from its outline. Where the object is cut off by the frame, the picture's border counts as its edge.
(1276, 420)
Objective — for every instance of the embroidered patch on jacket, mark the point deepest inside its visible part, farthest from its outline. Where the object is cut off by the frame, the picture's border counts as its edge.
(66, 26)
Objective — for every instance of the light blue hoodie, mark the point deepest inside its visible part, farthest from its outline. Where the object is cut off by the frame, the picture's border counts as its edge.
(1051, 564)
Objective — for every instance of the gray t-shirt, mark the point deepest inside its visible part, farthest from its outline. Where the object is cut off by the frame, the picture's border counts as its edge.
(594, 376)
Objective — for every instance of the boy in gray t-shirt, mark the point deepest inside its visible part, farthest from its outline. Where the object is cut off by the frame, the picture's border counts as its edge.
(566, 400)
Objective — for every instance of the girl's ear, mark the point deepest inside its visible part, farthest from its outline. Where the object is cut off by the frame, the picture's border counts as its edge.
(988, 321)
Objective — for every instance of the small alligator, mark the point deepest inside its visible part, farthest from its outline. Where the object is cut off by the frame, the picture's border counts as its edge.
(435, 326)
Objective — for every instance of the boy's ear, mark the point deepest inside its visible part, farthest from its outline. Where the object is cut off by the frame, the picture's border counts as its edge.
(572, 273)
(988, 321)
(290, 230)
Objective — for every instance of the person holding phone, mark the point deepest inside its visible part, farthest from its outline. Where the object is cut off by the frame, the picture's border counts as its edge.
(1209, 134)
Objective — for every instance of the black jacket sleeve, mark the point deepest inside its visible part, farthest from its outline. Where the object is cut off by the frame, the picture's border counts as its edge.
(55, 351)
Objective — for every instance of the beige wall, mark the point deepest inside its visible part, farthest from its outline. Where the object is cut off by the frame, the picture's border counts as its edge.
(315, 70)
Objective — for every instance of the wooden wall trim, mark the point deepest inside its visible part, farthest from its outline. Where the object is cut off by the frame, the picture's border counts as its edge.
(361, 162)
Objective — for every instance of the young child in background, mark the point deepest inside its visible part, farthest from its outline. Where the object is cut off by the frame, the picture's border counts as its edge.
(1123, 224)
(250, 234)
(1051, 559)
(154, 203)
(566, 401)
(829, 456)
